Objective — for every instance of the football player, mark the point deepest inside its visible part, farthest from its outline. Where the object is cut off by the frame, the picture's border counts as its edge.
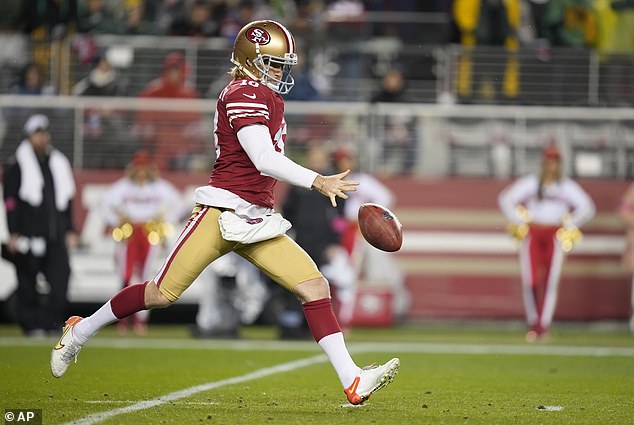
(234, 212)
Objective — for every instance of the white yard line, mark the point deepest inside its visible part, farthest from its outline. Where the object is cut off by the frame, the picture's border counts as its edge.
(185, 403)
(187, 392)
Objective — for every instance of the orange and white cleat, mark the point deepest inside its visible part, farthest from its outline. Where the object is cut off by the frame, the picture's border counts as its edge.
(371, 379)
(66, 348)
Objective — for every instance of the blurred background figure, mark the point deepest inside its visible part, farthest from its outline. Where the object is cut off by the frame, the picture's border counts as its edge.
(102, 80)
(308, 85)
(172, 137)
(374, 267)
(96, 17)
(400, 144)
(317, 228)
(234, 294)
(108, 143)
(140, 209)
(32, 82)
(198, 23)
(135, 21)
(164, 12)
(38, 190)
(626, 211)
(545, 211)
(488, 23)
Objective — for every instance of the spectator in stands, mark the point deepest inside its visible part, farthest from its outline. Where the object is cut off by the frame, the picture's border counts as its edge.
(147, 205)
(135, 22)
(10, 15)
(172, 137)
(545, 211)
(307, 25)
(236, 19)
(48, 20)
(345, 23)
(95, 17)
(626, 211)
(102, 80)
(305, 87)
(164, 12)
(487, 22)
(47, 24)
(31, 82)
(569, 23)
(14, 53)
(198, 23)
(400, 144)
(616, 45)
(38, 190)
(107, 142)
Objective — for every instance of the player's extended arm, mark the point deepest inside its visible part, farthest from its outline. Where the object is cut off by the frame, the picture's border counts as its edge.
(256, 142)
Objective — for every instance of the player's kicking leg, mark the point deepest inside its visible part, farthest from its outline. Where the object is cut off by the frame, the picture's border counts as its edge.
(359, 384)
(78, 331)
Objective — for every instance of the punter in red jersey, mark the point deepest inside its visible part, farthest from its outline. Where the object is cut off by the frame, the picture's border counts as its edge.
(234, 212)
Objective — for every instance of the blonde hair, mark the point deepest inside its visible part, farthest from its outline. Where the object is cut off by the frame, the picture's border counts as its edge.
(237, 73)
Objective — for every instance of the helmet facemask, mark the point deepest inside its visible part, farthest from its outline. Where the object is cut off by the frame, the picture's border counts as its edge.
(264, 62)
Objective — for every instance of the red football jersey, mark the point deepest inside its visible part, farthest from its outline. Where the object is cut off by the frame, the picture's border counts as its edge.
(244, 102)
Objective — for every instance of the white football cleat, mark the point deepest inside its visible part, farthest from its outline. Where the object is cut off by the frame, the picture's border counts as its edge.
(371, 379)
(66, 348)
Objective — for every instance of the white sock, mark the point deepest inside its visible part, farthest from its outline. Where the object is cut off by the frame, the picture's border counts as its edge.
(89, 326)
(335, 348)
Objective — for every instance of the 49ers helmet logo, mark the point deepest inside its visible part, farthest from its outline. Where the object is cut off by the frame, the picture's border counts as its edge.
(258, 35)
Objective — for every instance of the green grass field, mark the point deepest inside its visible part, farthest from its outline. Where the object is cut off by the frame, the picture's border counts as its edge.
(450, 374)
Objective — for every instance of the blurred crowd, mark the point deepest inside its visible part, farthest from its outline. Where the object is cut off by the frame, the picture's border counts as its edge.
(606, 25)
(600, 23)
(350, 50)
(205, 18)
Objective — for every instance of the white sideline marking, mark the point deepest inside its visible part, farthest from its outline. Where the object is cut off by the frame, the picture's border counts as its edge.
(187, 392)
(500, 349)
(384, 347)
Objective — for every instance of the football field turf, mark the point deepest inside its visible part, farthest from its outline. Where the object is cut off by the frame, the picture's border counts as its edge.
(449, 375)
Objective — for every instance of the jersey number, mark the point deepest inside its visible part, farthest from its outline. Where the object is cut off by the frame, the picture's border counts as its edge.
(250, 83)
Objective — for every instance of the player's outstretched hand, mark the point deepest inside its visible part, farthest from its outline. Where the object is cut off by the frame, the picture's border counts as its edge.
(335, 185)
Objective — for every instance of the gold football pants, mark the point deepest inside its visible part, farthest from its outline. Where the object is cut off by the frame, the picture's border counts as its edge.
(200, 243)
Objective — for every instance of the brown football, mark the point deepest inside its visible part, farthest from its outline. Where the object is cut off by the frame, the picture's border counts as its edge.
(380, 227)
